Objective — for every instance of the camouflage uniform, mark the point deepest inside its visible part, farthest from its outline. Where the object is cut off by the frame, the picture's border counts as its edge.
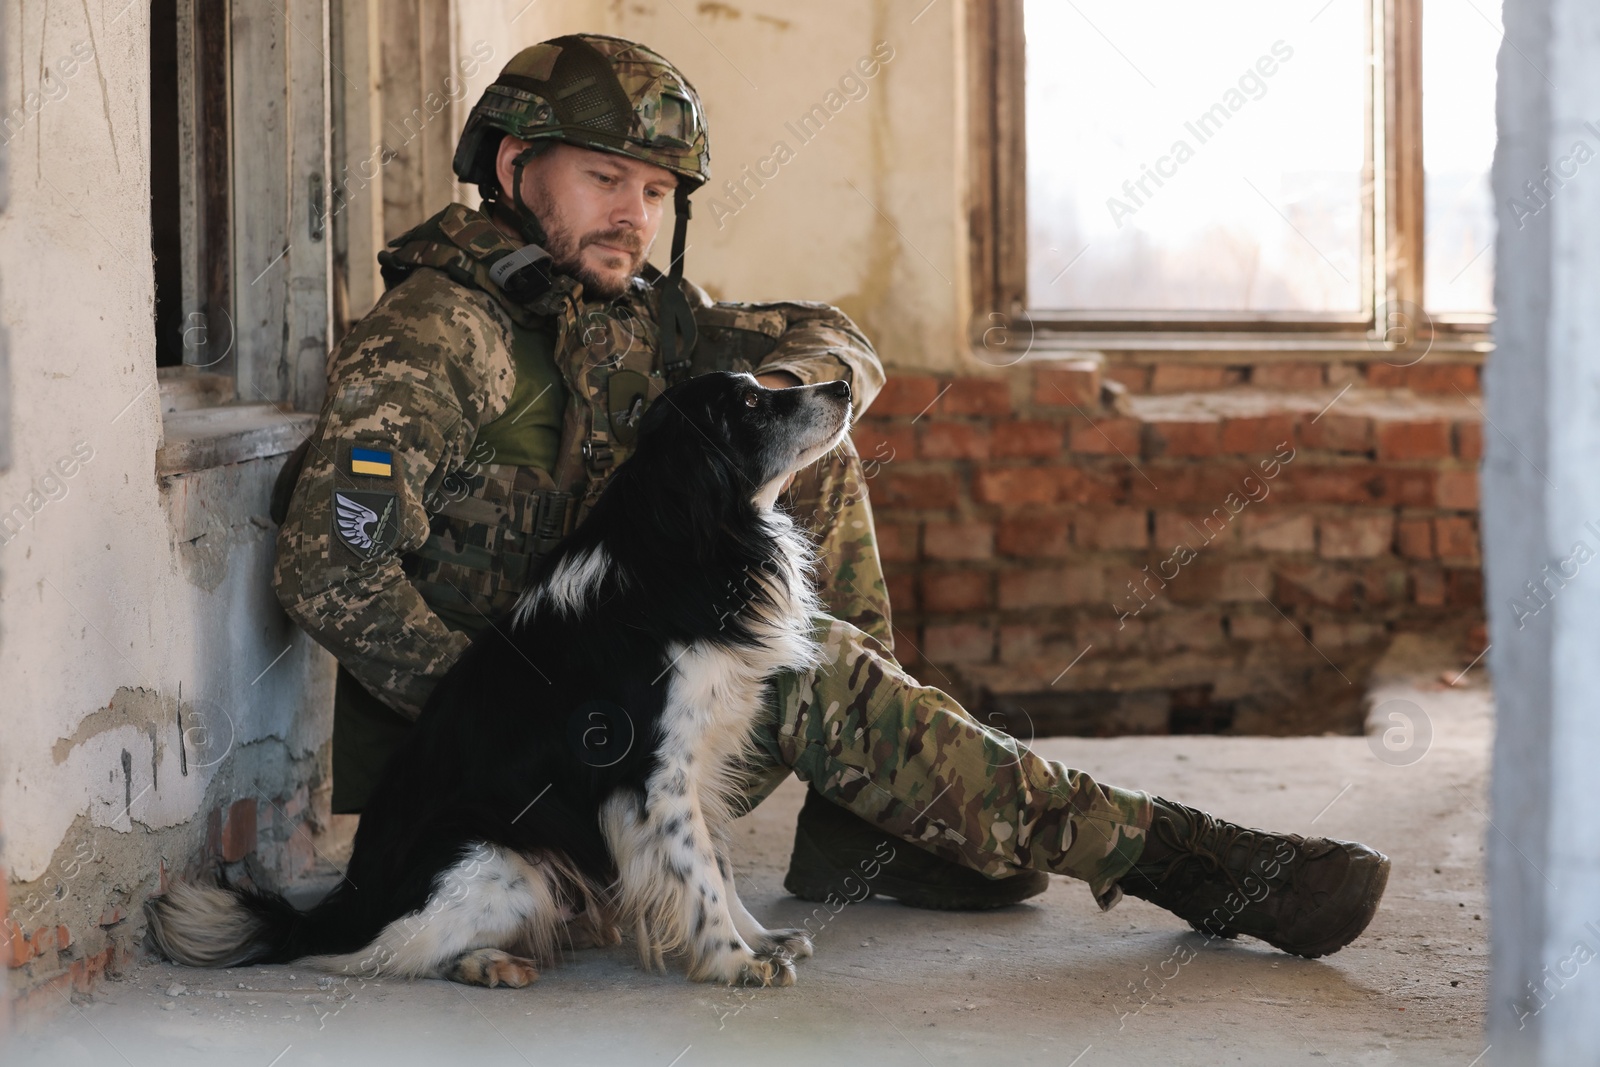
(405, 536)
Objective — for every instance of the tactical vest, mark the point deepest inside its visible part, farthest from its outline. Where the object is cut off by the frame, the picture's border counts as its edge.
(491, 523)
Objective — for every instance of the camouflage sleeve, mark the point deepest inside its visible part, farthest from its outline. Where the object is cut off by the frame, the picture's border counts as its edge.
(814, 342)
(407, 391)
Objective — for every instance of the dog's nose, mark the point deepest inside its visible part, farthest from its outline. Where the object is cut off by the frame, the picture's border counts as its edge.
(838, 389)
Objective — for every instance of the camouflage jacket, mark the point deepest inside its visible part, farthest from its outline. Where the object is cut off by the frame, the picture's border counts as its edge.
(410, 387)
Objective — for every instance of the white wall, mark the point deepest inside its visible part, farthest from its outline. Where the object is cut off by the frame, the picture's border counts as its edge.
(119, 592)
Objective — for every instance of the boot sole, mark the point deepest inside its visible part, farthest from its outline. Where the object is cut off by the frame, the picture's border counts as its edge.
(1377, 881)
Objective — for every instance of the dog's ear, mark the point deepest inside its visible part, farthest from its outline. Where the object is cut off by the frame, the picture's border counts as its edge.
(681, 476)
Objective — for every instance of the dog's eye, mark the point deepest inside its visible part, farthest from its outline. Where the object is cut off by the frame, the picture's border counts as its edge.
(751, 400)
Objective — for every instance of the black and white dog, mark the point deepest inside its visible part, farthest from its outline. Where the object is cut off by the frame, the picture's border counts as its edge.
(574, 770)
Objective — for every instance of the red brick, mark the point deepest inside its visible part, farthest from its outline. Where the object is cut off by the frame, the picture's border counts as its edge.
(1020, 643)
(1403, 439)
(1314, 586)
(1442, 378)
(1457, 539)
(908, 489)
(1132, 375)
(1415, 537)
(1175, 439)
(63, 938)
(20, 948)
(112, 915)
(1427, 587)
(1469, 439)
(1357, 484)
(1072, 382)
(1106, 437)
(956, 591)
(1184, 528)
(1063, 587)
(1187, 377)
(1179, 631)
(952, 440)
(958, 540)
(1464, 588)
(1456, 490)
(1046, 538)
(905, 394)
(239, 830)
(880, 442)
(1089, 485)
(1204, 581)
(1027, 439)
(1111, 528)
(1258, 434)
(902, 590)
(897, 542)
(1382, 375)
(976, 396)
(1287, 375)
(1255, 628)
(1337, 433)
(1277, 531)
(1356, 536)
(1017, 486)
(958, 643)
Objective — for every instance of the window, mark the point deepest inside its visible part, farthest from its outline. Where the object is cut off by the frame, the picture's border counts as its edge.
(1459, 42)
(1255, 166)
(239, 155)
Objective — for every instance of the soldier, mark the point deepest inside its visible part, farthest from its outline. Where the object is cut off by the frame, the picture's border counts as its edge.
(476, 412)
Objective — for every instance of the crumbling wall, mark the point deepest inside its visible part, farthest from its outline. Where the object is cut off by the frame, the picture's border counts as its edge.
(160, 712)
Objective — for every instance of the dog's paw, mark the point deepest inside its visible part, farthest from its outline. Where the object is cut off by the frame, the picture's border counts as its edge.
(739, 967)
(491, 967)
(782, 964)
(793, 943)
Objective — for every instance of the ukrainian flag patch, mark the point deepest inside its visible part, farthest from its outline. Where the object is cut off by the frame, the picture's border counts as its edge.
(374, 462)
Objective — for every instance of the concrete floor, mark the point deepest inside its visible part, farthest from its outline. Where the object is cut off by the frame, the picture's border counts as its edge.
(1052, 982)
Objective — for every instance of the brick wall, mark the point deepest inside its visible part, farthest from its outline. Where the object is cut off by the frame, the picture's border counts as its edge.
(1193, 547)
(255, 840)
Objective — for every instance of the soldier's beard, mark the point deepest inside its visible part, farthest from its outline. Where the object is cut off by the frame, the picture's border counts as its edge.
(566, 250)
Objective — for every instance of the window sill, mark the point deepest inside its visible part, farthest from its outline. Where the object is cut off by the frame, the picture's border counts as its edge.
(198, 439)
(1249, 347)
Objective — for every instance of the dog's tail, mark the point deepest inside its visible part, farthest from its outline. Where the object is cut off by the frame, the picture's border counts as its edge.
(206, 925)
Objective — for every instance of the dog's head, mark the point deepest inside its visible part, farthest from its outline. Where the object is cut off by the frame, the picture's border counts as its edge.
(741, 435)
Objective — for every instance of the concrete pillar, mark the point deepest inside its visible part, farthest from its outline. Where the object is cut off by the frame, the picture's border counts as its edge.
(1541, 532)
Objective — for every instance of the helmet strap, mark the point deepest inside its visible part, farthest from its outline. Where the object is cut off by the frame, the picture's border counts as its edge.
(522, 216)
(676, 319)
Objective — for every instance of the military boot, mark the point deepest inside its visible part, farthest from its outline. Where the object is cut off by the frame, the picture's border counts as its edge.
(1305, 895)
(838, 854)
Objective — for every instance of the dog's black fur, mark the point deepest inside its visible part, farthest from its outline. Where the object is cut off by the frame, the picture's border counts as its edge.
(564, 706)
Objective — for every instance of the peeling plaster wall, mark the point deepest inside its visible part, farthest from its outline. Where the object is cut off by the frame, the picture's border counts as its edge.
(147, 674)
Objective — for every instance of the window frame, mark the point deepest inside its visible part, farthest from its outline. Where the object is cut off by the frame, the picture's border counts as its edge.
(1392, 316)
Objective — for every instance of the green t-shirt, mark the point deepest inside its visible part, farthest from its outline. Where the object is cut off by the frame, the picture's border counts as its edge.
(529, 433)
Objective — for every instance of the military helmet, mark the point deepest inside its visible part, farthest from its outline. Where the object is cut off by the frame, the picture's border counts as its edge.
(592, 91)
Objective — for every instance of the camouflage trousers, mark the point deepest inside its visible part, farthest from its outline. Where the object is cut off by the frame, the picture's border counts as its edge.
(908, 758)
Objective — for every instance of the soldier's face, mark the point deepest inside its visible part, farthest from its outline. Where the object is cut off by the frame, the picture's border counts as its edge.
(600, 212)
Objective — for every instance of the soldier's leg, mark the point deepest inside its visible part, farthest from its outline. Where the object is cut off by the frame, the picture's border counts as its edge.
(908, 759)
(867, 736)
(829, 500)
